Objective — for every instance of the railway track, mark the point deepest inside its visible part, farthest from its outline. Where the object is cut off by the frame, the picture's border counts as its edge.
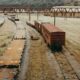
(65, 67)
(73, 62)
(7, 73)
(47, 65)
(38, 68)
(71, 49)
(43, 64)
(67, 70)
(12, 55)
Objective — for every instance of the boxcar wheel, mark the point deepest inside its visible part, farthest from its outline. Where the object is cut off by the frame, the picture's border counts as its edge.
(57, 46)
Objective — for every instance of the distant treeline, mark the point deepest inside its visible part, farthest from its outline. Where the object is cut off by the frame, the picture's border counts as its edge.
(40, 3)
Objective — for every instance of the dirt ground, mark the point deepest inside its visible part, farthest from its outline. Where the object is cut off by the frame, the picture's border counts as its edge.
(44, 64)
(6, 34)
(67, 69)
(39, 68)
(70, 25)
(13, 53)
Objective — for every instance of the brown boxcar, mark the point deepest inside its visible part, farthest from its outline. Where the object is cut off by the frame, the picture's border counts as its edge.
(38, 25)
(30, 23)
(53, 36)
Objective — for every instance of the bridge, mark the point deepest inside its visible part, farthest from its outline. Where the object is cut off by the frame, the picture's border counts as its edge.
(68, 11)
(61, 11)
(14, 8)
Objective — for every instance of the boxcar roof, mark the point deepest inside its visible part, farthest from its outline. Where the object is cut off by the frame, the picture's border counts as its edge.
(51, 28)
(31, 22)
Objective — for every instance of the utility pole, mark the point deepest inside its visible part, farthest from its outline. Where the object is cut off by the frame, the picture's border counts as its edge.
(37, 15)
(29, 15)
(54, 18)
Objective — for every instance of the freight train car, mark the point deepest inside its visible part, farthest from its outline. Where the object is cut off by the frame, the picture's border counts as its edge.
(53, 36)
(30, 23)
(38, 26)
